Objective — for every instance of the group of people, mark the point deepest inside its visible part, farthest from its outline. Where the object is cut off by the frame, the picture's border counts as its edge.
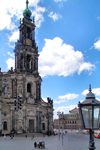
(39, 144)
(11, 136)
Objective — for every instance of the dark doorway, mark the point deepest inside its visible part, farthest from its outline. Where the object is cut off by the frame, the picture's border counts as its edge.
(5, 125)
(31, 126)
(29, 88)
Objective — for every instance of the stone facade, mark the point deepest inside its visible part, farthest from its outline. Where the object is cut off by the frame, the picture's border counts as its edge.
(21, 107)
(69, 121)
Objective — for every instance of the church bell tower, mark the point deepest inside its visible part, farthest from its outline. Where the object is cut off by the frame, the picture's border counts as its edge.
(26, 53)
(22, 110)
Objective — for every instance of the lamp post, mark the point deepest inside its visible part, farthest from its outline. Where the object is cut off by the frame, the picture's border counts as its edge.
(90, 116)
(59, 113)
(62, 125)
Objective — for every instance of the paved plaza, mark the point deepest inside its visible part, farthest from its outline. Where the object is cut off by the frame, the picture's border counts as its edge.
(71, 141)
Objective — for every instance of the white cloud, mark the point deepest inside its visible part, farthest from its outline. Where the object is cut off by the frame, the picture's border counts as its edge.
(6, 21)
(12, 46)
(38, 20)
(38, 13)
(98, 98)
(96, 91)
(86, 66)
(85, 92)
(59, 102)
(33, 3)
(69, 96)
(62, 58)
(60, 5)
(7, 11)
(14, 36)
(45, 99)
(12, 10)
(65, 98)
(60, 0)
(10, 63)
(64, 109)
(98, 17)
(91, 47)
(97, 45)
(54, 16)
(12, 55)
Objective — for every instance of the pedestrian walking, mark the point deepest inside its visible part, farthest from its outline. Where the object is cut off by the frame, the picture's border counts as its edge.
(35, 144)
(4, 137)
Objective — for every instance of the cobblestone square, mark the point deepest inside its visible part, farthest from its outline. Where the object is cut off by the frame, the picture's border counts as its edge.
(71, 141)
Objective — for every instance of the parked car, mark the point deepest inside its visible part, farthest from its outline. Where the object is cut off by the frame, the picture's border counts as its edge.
(97, 135)
(77, 131)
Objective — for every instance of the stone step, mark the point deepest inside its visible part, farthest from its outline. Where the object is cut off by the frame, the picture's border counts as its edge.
(31, 135)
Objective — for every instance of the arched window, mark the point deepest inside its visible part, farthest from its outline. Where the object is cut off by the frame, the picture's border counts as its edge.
(5, 125)
(28, 34)
(29, 88)
(28, 62)
(21, 61)
(5, 90)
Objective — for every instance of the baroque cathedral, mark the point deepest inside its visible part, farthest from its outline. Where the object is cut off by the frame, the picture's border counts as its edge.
(22, 110)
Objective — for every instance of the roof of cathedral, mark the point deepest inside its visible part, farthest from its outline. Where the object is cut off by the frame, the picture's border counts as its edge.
(27, 12)
(71, 114)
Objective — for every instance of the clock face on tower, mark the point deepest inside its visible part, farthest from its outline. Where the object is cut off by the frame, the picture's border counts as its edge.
(28, 42)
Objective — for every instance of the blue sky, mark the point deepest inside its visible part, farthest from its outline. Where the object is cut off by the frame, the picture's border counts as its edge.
(68, 39)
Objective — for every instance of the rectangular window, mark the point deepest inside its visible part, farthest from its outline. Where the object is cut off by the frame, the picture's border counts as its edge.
(43, 126)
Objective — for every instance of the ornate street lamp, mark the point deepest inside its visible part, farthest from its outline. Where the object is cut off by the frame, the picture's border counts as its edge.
(90, 116)
(62, 116)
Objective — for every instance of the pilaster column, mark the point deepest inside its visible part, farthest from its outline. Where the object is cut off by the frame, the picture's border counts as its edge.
(0, 117)
(24, 87)
(10, 120)
(18, 60)
(15, 91)
(35, 124)
(24, 119)
(25, 60)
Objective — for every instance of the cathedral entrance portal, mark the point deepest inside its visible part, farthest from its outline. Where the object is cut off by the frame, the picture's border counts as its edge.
(31, 125)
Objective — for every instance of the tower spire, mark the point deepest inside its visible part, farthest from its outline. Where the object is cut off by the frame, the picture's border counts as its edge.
(27, 4)
(89, 87)
(27, 12)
